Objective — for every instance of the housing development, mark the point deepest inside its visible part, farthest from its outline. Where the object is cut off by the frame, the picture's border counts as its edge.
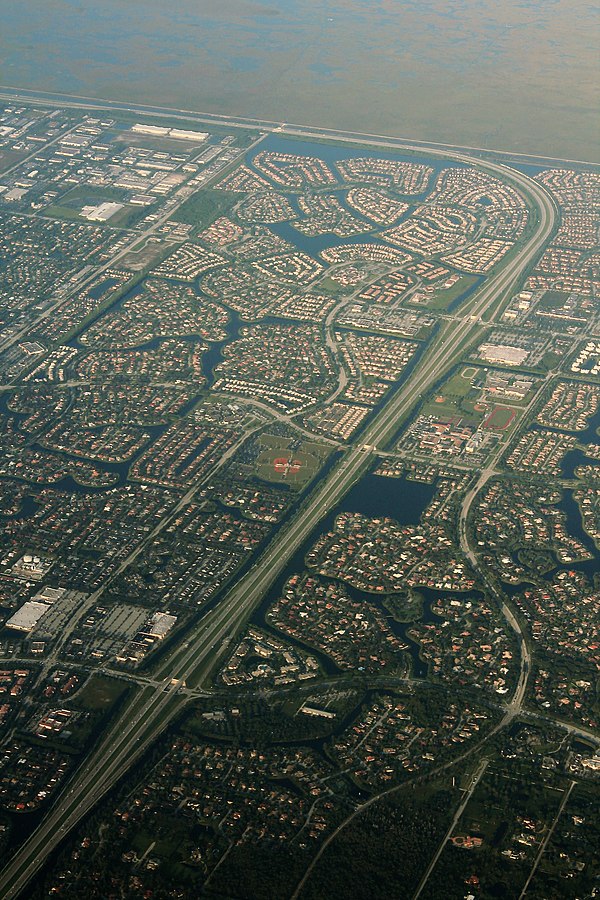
(299, 514)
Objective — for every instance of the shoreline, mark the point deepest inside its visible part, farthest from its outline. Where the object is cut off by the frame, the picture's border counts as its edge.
(290, 130)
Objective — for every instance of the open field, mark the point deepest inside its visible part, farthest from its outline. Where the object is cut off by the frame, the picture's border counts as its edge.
(99, 694)
(203, 208)
(442, 298)
(283, 461)
(499, 419)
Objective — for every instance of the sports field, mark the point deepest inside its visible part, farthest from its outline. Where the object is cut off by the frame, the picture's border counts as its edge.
(284, 460)
(499, 419)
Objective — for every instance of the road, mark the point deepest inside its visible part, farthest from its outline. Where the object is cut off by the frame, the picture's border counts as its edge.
(547, 837)
(485, 475)
(455, 819)
(95, 272)
(74, 101)
(148, 714)
(577, 730)
(376, 798)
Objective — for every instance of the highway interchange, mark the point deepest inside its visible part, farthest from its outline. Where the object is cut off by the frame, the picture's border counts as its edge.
(146, 715)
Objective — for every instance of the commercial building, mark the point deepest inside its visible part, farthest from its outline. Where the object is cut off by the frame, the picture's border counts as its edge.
(26, 618)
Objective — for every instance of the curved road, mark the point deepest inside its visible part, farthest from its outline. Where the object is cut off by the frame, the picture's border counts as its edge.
(151, 710)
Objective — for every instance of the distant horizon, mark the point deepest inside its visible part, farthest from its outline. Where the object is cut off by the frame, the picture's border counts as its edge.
(521, 77)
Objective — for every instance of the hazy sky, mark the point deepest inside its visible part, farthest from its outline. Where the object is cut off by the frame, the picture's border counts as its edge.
(516, 74)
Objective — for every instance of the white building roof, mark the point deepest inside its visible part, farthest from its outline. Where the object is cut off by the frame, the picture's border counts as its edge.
(160, 624)
(26, 618)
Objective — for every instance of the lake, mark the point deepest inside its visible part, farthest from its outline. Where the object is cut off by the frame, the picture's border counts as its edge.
(520, 75)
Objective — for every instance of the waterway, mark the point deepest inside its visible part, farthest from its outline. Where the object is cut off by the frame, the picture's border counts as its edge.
(99, 313)
(570, 508)
(334, 153)
(210, 359)
(214, 355)
(373, 496)
(574, 525)
(103, 287)
(28, 508)
(573, 459)
(577, 457)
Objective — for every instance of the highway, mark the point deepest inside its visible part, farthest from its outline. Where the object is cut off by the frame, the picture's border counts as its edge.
(144, 718)
(45, 98)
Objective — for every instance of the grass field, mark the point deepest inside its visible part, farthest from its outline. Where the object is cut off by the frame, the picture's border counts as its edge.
(443, 298)
(461, 396)
(10, 158)
(89, 194)
(499, 419)
(147, 253)
(285, 461)
(329, 286)
(203, 207)
(446, 404)
(69, 206)
(99, 694)
(459, 385)
(553, 300)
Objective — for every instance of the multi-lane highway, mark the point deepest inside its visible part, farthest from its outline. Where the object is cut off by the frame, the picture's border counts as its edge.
(143, 719)
(45, 98)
